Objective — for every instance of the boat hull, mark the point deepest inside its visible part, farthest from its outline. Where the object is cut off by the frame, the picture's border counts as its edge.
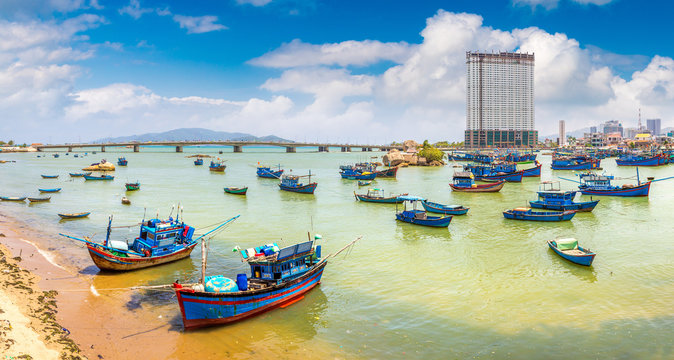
(386, 200)
(654, 161)
(532, 172)
(269, 174)
(105, 260)
(553, 216)
(49, 190)
(509, 177)
(388, 173)
(201, 309)
(73, 216)
(495, 187)
(369, 176)
(588, 165)
(641, 190)
(585, 260)
(432, 221)
(586, 206)
(438, 209)
(107, 177)
(303, 189)
(236, 191)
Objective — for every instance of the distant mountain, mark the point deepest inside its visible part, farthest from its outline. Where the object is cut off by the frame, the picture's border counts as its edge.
(192, 134)
(576, 133)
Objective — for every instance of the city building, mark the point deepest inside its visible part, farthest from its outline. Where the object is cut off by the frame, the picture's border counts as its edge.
(630, 133)
(613, 139)
(562, 133)
(595, 139)
(500, 100)
(653, 126)
(612, 127)
(593, 129)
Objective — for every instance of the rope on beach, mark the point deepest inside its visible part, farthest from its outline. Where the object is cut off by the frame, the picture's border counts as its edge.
(140, 287)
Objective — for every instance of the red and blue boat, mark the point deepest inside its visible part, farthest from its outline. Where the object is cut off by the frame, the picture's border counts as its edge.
(437, 208)
(550, 197)
(495, 172)
(465, 182)
(199, 161)
(600, 185)
(534, 171)
(419, 217)
(217, 166)
(267, 173)
(571, 251)
(528, 214)
(640, 160)
(575, 163)
(122, 161)
(387, 173)
(378, 196)
(292, 183)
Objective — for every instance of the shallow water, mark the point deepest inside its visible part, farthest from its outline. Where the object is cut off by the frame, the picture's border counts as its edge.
(485, 287)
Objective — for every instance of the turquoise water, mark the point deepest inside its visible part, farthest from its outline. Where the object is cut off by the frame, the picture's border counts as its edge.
(484, 287)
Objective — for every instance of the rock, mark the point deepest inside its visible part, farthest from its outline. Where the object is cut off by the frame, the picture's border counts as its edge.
(411, 159)
(102, 166)
(421, 161)
(404, 164)
(410, 146)
(393, 158)
(436, 163)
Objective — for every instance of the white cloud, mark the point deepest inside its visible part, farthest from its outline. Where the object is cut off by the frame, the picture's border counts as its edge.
(254, 2)
(359, 53)
(551, 4)
(135, 10)
(198, 24)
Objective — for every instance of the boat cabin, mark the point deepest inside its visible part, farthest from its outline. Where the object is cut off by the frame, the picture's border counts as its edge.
(591, 180)
(269, 263)
(290, 180)
(159, 237)
(550, 192)
(463, 179)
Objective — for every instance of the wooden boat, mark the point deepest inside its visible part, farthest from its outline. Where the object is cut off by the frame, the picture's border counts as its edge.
(267, 173)
(355, 175)
(12, 198)
(444, 209)
(49, 176)
(528, 214)
(159, 242)
(132, 186)
(199, 161)
(419, 217)
(102, 177)
(39, 199)
(236, 190)
(74, 215)
(278, 278)
(378, 196)
(550, 197)
(122, 161)
(291, 183)
(49, 190)
(570, 250)
(79, 174)
(534, 171)
(388, 173)
(600, 185)
(217, 166)
(364, 183)
(126, 201)
(464, 182)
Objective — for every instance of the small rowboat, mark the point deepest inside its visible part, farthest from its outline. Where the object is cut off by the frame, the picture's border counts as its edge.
(79, 174)
(50, 190)
(12, 198)
(377, 196)
(102, 177)
(39, 199)
(236, 190)
(74, 215)
(132, 186)
(49, 176)
(569, 250)
(528, 214)
(364, 183)
(419, 217)
(444, 209)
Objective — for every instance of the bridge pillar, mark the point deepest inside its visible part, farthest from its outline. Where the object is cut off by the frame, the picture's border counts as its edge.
(179, 149)
(102, 148)
(363, 149)
(369, 149)
(323, 149)
(291, 149)
(237, 148)
(70, 149)
(346, 149)
(136, 148)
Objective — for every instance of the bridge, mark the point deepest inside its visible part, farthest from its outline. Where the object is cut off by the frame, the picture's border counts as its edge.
(237, 146)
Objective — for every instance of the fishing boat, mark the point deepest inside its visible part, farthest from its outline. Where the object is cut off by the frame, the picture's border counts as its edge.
(528, 214)
(55, 190)
(267, 173)
(378, 196)
(102, 177)
(465, 182)
(278, 277)
(217, 166)
(419, 217)
(534, 171)
(391, 172)
(126, 200)
(639, 160)
(12, 198)
(292, 183)
(495, 172)
(132, 186)
(39, 199)
(364, 183)
(159, 242)
(575, 163)
(363, 171)
(56, 155)
(236, 190)
(444, 209)
(74, 215)
(79, 174)
(122, 161)
(600, 185)
(49, 176)
(570, 250)
(199, 161)
(550, 197)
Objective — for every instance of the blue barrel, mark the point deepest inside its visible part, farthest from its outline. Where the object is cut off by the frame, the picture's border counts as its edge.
(318, 251)
(242, 282)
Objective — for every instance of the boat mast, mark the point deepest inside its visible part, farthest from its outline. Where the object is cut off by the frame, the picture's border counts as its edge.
(203, 261)
(107, 236)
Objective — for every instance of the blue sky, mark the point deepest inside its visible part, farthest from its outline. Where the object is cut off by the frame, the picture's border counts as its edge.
(330, 70)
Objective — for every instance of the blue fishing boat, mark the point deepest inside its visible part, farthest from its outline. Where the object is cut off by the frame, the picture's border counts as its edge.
(292, 183)
(74, 215)
(639, 160)
(199, 161)
(550, 197)
(278, 278)
(102, 177)
(56, 155)
(444, 209)
(267, 173)
(159, 242)
(495, 172)
(465, 182)
(534, 171)
(528, 214)
(570, 250)
(356, 175)
(217, 166)
(79, 174)
(378, 196)
(419, 217)
(575, 163)
(600, 185)
(49, 190)
(461, 156)
(49, 176)
(122, 161)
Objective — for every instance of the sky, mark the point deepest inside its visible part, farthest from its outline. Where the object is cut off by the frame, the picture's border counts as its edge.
(345, 71)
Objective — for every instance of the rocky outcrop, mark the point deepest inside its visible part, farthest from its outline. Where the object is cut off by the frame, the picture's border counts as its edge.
(102, 166)
(393, 158)
(410, 146)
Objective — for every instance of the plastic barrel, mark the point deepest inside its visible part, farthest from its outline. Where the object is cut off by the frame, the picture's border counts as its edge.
(242, 282)
(318, 251)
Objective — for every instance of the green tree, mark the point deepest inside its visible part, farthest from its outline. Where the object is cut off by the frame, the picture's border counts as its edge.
(430, 152)
(10, 143)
